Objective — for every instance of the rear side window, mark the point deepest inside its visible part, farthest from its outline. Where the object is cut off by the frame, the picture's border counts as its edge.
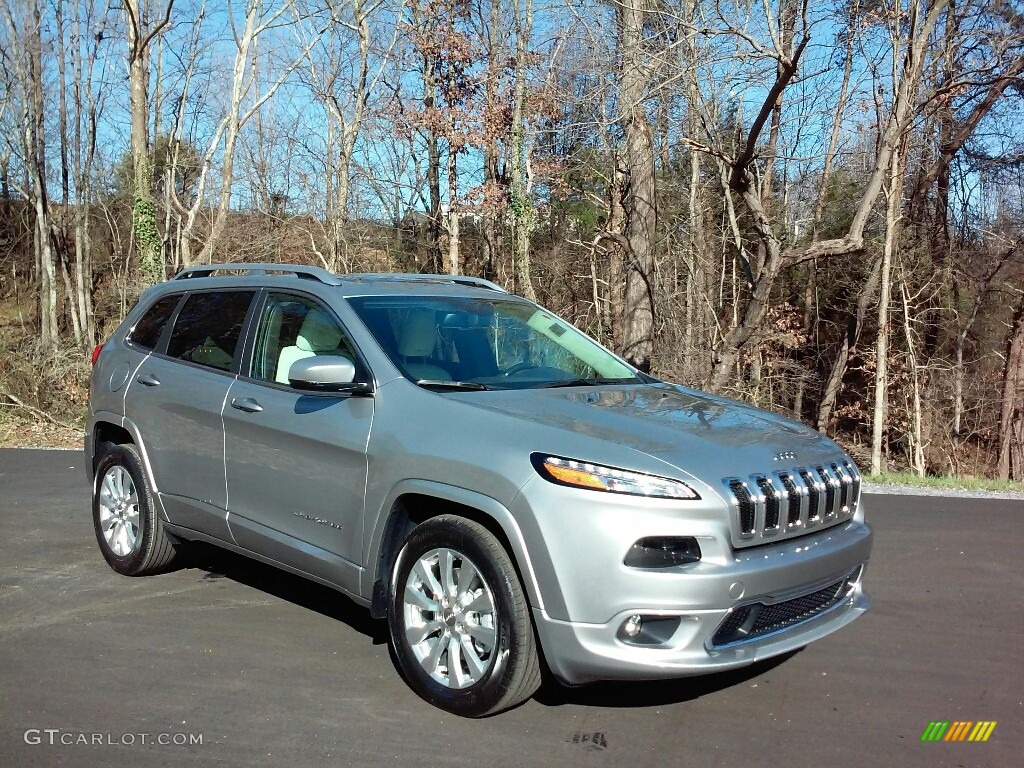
(208, 328)
(146, 333)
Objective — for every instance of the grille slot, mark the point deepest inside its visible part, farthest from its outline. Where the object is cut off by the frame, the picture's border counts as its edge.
(813, 496)
(793, 513)
(746, 505)
(830, 491)
(785, 503)
(749, 622)
(844, 489)
(771, 503)
(854, 476)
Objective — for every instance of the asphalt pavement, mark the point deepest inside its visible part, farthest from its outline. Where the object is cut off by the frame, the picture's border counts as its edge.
(264, 668)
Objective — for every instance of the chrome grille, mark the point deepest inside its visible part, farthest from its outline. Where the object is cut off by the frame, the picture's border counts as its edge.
(768, 506)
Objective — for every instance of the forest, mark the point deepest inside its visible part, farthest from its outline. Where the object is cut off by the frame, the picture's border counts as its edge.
(816, 207)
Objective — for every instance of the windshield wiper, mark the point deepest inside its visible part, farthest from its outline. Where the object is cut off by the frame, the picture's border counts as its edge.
(439, 384)
(584, 382)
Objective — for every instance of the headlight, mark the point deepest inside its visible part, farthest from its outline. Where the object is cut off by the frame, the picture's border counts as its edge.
(595, 477)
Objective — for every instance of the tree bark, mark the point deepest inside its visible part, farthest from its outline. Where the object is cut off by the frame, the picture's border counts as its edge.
(30, 70)
(640, 199)
(1011, 417)
(880, 413)
(454, 267)
(493, 127)
(522, 216)
(147, 234)
(848, 346)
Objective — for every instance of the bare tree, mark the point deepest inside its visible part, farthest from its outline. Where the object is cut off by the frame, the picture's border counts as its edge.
(245, 101)
(141, 33)
(24, 65)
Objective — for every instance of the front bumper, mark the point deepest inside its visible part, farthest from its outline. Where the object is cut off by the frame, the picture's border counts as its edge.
(579, 653)
(588, 594)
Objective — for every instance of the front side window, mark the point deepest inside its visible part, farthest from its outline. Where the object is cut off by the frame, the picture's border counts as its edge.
(208, 328)
(293, 328)
(146, 333)
(485, 343)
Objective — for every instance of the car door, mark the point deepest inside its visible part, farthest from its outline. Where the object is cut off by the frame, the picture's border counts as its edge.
(296, 460)
(176, 399)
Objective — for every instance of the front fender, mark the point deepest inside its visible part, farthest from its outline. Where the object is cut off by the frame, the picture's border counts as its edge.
(485, 504)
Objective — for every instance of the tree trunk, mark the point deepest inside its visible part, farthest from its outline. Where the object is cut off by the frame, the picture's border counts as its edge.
(880, 412)
(848, 346)
(640, 200)
(147, 234)
(616, 230)
(454, 268)
(917, 461)
(522, 215)
(699, 322)
(1011, 417)
(434, 257)
(494, 127)
(35, 154)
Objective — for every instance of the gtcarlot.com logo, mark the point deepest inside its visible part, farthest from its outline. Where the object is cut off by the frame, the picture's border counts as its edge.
(958, 730)
(59, 737)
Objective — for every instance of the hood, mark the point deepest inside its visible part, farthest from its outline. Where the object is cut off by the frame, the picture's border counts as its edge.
(695, 432)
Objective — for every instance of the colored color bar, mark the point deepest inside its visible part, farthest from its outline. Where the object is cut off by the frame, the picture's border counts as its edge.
(958, 732)
(935, 730)
(987, 731)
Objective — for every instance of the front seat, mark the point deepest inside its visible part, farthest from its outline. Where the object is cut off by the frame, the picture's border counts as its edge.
(319, 335)
(417, 338)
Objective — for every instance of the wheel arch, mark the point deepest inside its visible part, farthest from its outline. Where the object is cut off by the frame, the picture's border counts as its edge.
(415, 501)
(120, 430)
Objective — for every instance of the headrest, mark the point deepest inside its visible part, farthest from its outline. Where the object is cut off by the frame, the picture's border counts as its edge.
(418, 334)
(319, 332)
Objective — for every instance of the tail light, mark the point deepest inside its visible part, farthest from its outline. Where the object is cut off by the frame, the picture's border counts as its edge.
(96, 353)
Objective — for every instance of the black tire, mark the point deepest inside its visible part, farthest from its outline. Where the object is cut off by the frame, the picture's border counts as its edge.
(153, 549)
(514, 673)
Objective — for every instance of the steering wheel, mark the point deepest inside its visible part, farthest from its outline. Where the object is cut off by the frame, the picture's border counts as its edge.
(524, 366)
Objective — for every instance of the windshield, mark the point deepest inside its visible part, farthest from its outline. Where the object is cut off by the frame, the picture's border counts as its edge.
(476, 343)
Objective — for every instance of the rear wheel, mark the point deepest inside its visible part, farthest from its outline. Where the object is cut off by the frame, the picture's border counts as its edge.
(128, 529)
(459, 621)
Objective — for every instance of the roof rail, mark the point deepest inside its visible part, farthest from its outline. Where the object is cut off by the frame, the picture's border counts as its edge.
(299, 270)
(477, 282)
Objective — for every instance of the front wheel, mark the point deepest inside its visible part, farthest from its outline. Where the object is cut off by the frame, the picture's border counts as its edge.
(128, 528)
(459, 621)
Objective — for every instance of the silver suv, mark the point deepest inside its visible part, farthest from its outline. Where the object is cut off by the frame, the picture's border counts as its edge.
(473, 469)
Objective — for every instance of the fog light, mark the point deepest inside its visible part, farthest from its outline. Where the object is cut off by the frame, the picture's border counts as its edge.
(650, 630)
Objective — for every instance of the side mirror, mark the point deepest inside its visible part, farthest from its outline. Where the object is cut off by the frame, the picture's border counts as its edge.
(329, 373)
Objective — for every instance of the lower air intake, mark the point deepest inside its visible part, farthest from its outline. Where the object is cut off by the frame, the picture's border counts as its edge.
(749, 622)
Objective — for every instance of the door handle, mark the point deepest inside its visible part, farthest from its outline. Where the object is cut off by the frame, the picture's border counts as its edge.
(246, 404)
(148, 380)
